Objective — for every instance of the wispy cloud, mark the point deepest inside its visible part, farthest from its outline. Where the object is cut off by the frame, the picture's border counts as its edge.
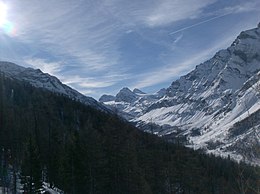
(86, 82)
(75, 79)
(105, 44)
(173, 71)
(52, 68)
(88, 38)
(199, 23)
(155, 13)
(245, 7)
(178, 38)
(175, 10)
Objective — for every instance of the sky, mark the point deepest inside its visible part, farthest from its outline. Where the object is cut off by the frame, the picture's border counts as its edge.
(100, 46)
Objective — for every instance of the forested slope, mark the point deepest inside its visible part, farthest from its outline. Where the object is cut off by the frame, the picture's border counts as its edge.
(47, 137)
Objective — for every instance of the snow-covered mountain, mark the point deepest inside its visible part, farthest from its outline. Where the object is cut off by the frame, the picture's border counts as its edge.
(215, 107)
(131, 104)
(38, 79)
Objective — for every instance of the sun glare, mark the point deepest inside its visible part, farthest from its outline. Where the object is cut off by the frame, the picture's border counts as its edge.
(3, 12)
(6, 26)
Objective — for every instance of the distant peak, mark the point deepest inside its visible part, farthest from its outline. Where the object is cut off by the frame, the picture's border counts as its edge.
(137, 91)
(162, 92)
(106, 98)
(125, 95)
(125, 89)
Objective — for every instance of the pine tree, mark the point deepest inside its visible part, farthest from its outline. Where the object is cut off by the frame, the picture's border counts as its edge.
(31, 168)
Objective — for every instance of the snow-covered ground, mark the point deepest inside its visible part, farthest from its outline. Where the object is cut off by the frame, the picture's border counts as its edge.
(54, 190)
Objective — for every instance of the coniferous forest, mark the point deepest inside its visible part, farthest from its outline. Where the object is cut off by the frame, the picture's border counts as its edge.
(49, 138)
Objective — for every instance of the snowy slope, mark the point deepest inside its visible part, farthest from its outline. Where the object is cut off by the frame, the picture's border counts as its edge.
(43, 80)
(207, 106)
(131, 104)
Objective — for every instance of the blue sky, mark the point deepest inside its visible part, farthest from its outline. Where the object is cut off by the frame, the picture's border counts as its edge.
(100, 46)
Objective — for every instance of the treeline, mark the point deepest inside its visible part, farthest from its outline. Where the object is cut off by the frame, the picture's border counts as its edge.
(45, 137)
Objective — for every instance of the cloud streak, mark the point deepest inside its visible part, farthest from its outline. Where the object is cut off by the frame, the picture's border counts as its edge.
(64, 32)
(88, 82)
(246, 7)
(52, 68)
(173, 71)
(199, 23)
(155, 13)
(175, 10)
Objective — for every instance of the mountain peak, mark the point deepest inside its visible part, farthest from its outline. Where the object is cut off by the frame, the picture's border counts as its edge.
(125, 89)
(106, 98)
(137, 91)
(162, 92)
(125, 95)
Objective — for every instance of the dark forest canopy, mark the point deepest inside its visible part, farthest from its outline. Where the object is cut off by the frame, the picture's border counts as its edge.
(51, 138)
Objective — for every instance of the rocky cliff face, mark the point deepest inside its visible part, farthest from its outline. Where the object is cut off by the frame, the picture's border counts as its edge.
(214, 107)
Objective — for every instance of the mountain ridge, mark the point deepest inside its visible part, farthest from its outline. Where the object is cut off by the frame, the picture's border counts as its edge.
(203, 105)
(38, 79)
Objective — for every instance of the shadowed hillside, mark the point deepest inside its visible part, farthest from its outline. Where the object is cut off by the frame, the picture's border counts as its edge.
(47, 137)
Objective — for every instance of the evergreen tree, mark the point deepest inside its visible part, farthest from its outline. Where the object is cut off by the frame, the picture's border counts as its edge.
(31, 168)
